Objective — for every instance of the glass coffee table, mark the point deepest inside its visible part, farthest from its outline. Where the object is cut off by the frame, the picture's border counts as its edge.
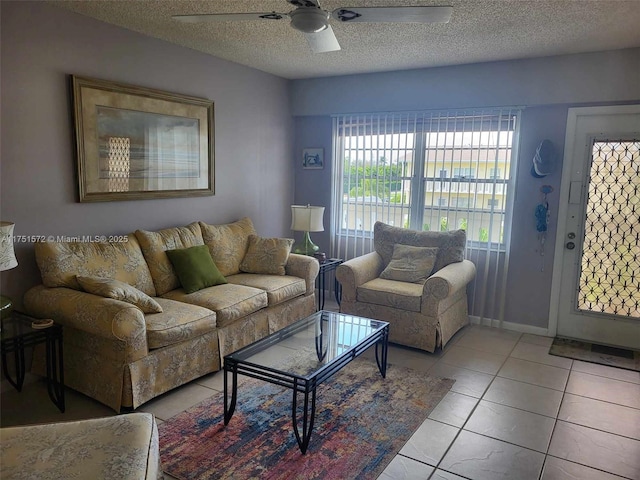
(302, 356)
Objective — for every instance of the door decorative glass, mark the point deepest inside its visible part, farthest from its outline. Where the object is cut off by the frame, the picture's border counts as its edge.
(610, 265)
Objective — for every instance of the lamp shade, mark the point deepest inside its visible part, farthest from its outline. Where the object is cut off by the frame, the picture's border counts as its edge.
(7, 255)
(307, 218)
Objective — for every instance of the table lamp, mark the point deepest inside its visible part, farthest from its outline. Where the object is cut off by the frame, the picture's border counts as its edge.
(306, 218)
(7, 261)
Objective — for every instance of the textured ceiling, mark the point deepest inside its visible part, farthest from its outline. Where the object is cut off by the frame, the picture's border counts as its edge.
(479, 31)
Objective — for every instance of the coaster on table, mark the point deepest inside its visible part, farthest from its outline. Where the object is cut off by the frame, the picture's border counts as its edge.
(41, 323)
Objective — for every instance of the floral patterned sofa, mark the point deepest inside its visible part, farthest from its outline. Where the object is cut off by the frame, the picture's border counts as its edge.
(123, 357)
(416, 281)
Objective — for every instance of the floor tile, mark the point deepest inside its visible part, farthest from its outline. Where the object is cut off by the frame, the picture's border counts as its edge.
(606, 389)
(532, 398)
(606, 371)
(476, 360)
(492, 340)
(468, 382)
(403, 468)
(539, 354)
(534, 373)
(454, 409)
(442, 475)
(430, 442)
(521, 428)
(411, 358)
(483, 458)
(214, 381)
(170, 404)
(600, 415)
(558, 469)
(596, 449)
(32, 405)
(536, 339)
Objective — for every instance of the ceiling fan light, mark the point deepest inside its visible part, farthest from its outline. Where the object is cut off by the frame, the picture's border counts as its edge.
(309, 20)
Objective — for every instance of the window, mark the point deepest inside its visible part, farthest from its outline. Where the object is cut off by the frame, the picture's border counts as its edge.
(403, 161)
(464, 172)
(429, 171)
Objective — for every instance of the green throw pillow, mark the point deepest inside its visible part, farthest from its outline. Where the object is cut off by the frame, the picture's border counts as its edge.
(195, 268)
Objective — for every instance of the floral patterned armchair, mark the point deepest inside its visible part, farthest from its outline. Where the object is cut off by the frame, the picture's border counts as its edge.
(416, 281)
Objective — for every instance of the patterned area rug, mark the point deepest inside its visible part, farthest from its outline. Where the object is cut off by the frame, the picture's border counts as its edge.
(594, 353)
(362, 421)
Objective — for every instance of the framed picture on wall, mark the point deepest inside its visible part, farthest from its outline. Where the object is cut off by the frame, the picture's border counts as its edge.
(313, 158)
(137, 143)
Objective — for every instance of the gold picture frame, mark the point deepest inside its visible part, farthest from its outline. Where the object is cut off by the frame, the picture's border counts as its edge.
(135, 143)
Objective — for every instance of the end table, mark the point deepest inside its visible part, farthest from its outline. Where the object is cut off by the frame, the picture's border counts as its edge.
(17, 334)
(329, 265)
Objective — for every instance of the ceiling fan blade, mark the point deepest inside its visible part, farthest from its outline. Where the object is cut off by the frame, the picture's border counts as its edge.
(323, 41)
(304, 3)
(229, 17)
(394, 14)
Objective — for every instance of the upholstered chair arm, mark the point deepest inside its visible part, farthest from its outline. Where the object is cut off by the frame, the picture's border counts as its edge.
(303, 266)
(112, 320)
(448, 281)
(357, 271)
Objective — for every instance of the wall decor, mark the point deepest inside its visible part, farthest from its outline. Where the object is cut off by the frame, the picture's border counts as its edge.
(313, 158)
(137, 143)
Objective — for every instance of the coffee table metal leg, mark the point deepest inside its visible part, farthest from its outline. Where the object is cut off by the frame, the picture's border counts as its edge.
(382, 348)
(229, 409)
(308, 416)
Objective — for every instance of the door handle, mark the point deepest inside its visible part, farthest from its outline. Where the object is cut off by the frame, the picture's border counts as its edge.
(570, 245)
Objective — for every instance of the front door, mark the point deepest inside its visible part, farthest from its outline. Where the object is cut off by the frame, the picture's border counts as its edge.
(596, 280)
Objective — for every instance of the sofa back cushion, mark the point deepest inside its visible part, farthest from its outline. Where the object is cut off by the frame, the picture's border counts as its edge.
(267, 256)
(451, 245)
(60, 262)
(155, 244)
(228, 243)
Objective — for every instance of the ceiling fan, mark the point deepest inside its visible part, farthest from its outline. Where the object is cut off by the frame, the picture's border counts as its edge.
(310, 19)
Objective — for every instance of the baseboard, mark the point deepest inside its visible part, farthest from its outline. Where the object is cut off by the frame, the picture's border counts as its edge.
(517, 327)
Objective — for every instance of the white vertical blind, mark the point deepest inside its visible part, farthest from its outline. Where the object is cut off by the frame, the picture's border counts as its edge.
(434, 171)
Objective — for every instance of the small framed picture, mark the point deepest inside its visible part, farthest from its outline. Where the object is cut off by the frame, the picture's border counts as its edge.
(313, 158)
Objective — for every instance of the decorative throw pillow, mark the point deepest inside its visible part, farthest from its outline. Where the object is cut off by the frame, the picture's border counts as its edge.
(110, 288)
(228, 243)
(195, 268)
(410, 264)
(266, 255)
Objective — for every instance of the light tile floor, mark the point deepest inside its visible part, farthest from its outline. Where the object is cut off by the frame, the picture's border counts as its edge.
(515, 412)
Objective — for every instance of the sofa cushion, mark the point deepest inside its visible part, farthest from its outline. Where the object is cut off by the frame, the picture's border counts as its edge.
(195, 268)
(410, 264)
(110, 288)
(279, 288)
(177, 322)
(228, 243)
(230, 302)
(451, 245)
(155, 244)
(60, 262)
(266, 255)
(389, 293)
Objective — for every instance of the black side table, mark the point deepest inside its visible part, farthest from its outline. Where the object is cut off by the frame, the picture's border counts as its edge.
(329, 265)
(17, 334)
